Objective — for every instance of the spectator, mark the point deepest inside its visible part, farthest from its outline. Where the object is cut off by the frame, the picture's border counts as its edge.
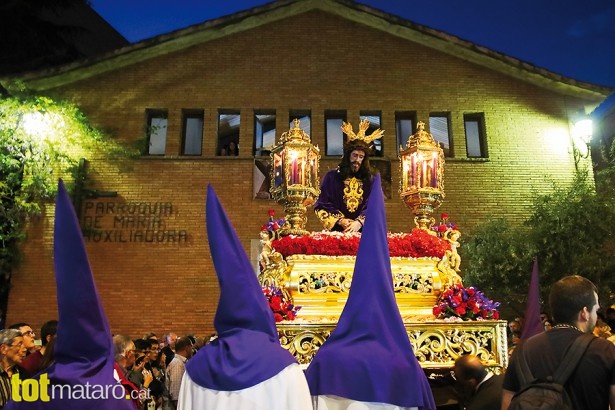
(233, 149)
(124, 349)
(12, 352)
(573, 302)
(49, 355)
(545, 320)
(478, 388)
(177, 367)
(28, 336)
(32, 363)
(169, 348)
(150, 336)
(515, 329)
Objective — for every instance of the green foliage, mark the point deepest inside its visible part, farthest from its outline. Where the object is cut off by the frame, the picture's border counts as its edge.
(498, 258)
(40, 140)
(569, 230)
(572, 234)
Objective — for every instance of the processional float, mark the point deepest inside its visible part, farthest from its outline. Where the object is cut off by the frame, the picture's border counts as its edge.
(305, 268)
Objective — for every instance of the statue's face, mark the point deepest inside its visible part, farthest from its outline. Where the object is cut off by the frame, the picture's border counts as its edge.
(356, 159)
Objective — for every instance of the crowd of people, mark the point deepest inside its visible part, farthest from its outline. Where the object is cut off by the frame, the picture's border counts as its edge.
(149, 365)
(229, 150)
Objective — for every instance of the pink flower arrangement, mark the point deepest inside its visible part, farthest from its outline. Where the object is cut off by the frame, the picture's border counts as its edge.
(466, 304)
(416, 244)
(282, 309)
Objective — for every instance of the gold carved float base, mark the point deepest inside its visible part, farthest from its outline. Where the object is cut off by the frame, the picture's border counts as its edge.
(436, 344)
(320, 285)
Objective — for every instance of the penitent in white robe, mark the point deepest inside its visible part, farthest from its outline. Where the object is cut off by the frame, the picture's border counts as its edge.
(288, 390)
(329, 402)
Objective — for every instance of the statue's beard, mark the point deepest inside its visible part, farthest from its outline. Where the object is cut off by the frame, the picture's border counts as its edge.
(355, 167)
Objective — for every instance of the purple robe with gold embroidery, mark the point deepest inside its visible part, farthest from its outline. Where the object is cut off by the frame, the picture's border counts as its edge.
(341, 199)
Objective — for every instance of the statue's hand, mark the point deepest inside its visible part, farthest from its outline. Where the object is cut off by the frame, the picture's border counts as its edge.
(355, 226)
(344, 223)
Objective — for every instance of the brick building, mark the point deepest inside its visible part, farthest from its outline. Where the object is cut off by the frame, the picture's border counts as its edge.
(505, 126)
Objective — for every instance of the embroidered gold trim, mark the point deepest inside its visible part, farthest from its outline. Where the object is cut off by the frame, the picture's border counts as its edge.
(353, 193)
(327, 219)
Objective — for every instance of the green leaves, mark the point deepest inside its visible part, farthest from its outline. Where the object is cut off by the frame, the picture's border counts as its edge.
(569, 230)
(40, 140)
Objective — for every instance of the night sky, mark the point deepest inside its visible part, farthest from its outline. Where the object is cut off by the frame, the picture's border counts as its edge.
(575, 38)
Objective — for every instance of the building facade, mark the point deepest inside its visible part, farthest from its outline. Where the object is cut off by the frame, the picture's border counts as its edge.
(504, 124)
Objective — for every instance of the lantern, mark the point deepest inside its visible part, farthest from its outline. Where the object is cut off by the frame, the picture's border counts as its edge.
(422, 176)
(294, 178)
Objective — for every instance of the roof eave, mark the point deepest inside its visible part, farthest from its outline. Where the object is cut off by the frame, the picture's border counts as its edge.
(266, 14)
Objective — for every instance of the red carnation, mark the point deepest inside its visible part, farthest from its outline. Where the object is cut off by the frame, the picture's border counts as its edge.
(271, 212)
(444, 216)
(275, 303)
(278, 317)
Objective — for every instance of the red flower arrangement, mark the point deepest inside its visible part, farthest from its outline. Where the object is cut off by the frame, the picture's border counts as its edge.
(282, 309)
(465, 304)
(273, 225)
(416, 244)
(443, 226)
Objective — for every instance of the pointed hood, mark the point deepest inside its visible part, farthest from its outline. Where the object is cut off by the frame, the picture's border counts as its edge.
(368, 357)
(247, 350)
(533, 325)
(83, 350)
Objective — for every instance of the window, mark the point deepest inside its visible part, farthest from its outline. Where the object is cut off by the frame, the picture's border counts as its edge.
(334, 134)
(157, 121)
(405, 126)
(439, 129)
(228, 132)
(264, 132)
(192, 132)
(304, 116)
(375, 119)
(476, 143)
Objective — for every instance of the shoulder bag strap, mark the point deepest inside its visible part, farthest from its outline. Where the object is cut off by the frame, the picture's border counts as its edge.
(524, 374)
(572, 358)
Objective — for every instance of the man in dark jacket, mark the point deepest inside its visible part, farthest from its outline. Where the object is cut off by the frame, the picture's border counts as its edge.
(478, 388)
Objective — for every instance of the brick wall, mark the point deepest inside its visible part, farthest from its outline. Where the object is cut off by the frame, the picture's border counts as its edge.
(313, 61)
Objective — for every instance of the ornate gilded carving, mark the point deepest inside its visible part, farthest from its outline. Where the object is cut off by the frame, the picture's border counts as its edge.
(363, 126)
(303, 343)
(436, 344)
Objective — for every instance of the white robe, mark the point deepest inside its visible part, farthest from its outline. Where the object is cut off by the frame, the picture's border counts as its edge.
(288, 390)
(329, 402)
